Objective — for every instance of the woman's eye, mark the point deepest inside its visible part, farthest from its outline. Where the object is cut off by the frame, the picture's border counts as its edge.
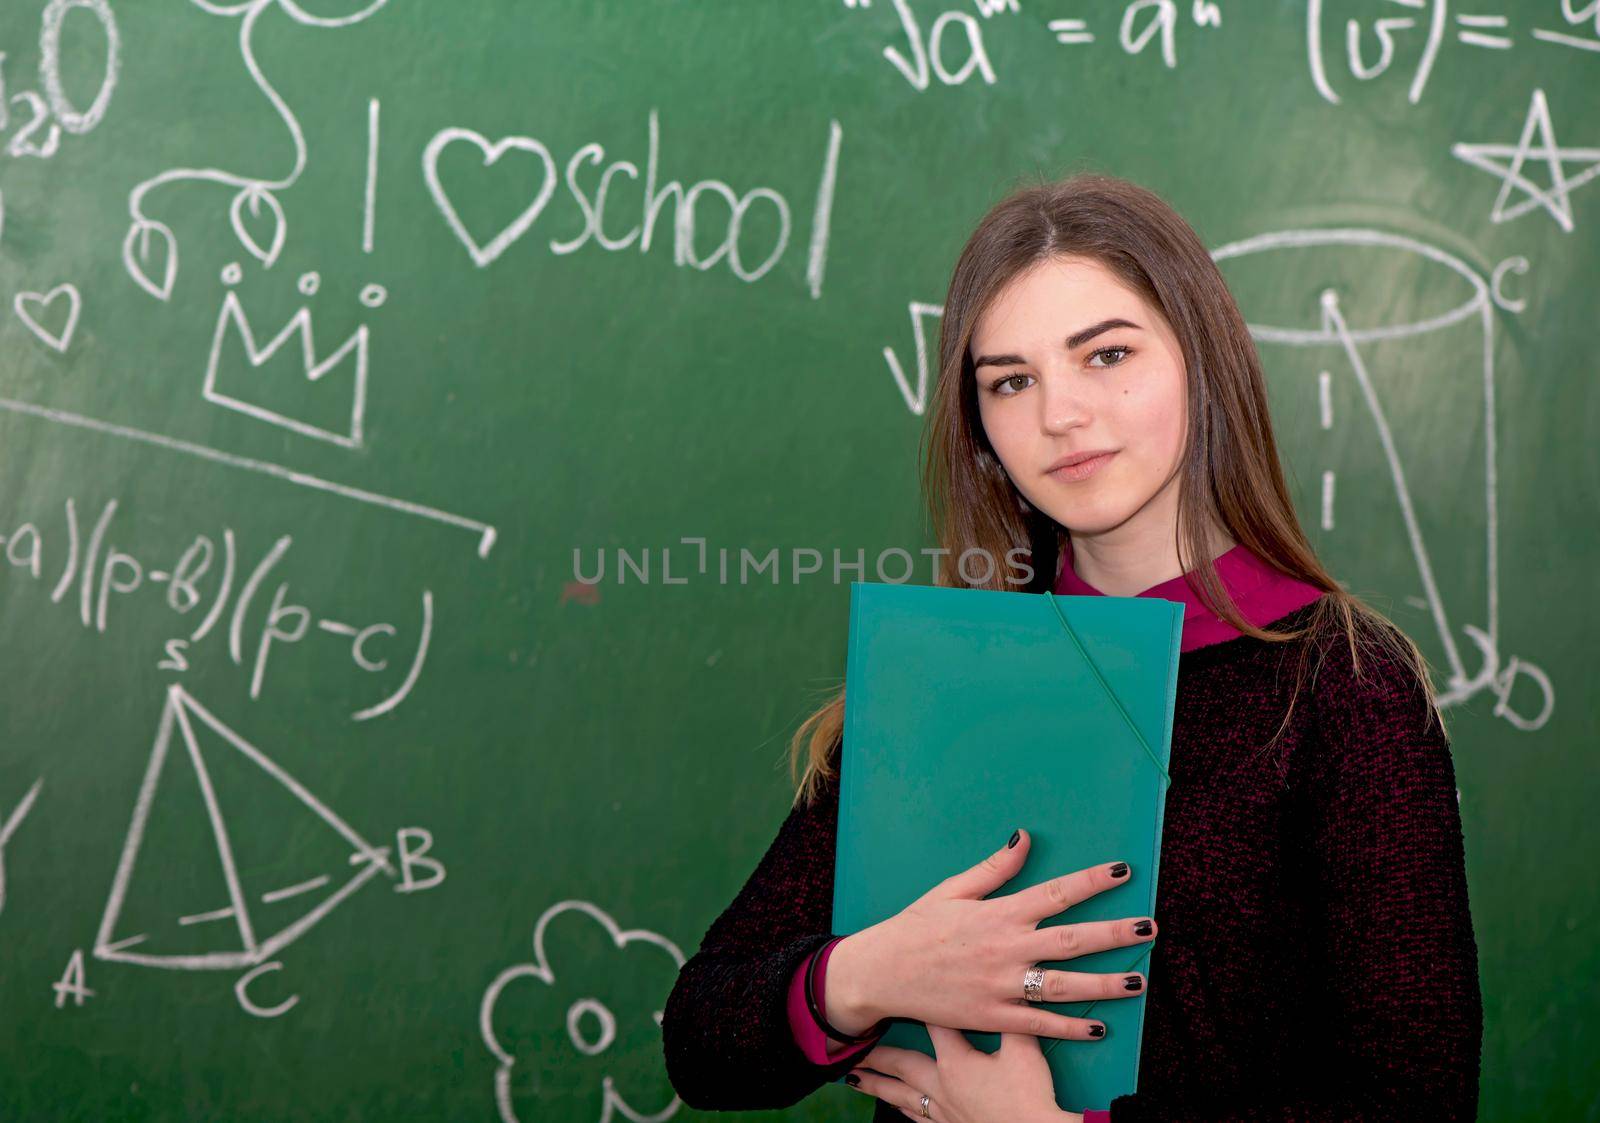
(1125, 352)
(999, 385)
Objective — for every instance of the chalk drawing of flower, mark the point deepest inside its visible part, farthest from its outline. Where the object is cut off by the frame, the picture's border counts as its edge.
(591, 1024)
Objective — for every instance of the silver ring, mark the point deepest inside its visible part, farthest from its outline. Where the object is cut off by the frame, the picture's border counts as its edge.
(1033, 984)
(925, 1114)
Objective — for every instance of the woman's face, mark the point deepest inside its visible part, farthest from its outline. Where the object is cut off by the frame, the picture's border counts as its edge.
(1058, 374)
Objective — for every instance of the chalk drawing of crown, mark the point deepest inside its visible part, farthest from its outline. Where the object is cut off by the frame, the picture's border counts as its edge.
(236, 395)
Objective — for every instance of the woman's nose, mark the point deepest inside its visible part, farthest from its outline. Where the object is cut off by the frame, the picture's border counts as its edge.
(1062, 404)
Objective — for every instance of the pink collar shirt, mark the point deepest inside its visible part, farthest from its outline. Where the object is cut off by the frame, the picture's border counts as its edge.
(1261, 592)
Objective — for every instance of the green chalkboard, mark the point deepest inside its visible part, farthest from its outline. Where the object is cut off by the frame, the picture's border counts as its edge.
(340, 338)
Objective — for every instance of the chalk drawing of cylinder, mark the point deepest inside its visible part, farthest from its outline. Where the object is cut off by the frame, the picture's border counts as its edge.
(1405, 333)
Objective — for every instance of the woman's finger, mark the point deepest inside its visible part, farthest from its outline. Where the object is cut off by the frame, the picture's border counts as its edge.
(1030, 1019)
(895, 1093)
(1069, 941)
(1024, 1041)
(1083, 986)
(947, 1043)
(908, 1065)
(1059, 893)
(989, 874)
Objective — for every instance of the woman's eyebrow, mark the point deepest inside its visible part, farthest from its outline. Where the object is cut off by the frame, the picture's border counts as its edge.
(1076, 339)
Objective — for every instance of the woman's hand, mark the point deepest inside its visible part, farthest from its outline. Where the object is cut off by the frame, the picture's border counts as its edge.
(964, 1084)
(951, 958)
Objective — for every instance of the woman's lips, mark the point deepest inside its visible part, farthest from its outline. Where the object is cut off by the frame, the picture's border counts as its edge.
(1083, 469)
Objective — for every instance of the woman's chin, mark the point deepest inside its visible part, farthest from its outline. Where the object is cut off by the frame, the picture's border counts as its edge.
(1088, 517)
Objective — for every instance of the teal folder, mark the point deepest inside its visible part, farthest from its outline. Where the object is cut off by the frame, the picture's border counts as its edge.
(971, 712)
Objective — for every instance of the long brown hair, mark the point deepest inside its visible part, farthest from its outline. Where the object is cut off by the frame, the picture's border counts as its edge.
(1229, 475)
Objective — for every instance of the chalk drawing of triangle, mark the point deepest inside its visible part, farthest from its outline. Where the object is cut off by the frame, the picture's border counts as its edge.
(217, 820)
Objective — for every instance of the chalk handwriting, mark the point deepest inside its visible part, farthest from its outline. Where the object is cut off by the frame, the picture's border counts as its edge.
(684, 220)
(927, 50)
(41, 118)
(916, 397)
(201, 584)
(1373, 47)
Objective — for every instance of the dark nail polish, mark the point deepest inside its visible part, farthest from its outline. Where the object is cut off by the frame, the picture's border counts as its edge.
(1015, 835)
(852, 1079)
(1097, 1031)
(1132, 982)
(1120, 870)
(1143, 928)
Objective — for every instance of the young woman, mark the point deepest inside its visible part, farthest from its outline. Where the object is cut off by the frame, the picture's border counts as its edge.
(1101, 405)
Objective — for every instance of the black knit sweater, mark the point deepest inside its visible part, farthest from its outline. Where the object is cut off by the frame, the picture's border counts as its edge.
(1315, 957)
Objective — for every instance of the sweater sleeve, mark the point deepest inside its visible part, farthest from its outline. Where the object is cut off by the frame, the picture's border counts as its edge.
(1382, 835)
(725, 1029)
(816, 1044)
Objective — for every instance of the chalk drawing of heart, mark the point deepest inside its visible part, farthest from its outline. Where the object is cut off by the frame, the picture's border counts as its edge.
(25, 302)
(484, 254)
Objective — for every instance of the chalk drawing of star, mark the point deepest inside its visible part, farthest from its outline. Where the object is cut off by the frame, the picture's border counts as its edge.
(1557, 199)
